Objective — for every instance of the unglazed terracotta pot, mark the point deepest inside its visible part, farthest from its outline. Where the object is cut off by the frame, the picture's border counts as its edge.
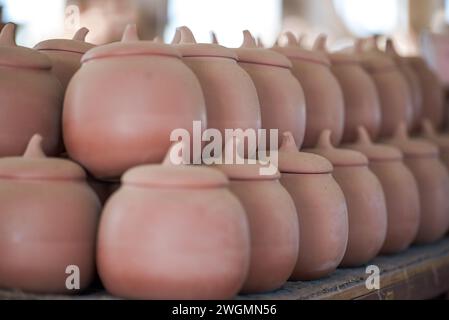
(365, 199)
(124, 102)
(392, 87)
(413, 81)
(30, 98)
(281, 97)
(65, 55)
(400, 189)
(440, 140)
(173, 232)
(432, 90)
(321, 209)
(48, 222)
(230, 94)
(432, 177)
(273, 224)
(324, 97)
(362, 105)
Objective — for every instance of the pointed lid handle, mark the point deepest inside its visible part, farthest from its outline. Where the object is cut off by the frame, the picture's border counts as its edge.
(77, 44)
(412, 148)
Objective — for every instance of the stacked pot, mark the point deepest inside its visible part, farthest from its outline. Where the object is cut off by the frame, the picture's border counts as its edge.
(173, 230)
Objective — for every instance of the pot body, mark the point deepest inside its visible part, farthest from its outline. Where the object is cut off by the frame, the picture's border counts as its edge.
(65, 64)
(367, 214)
(119, 112)
(274, 231)
(31, 102)
(415, 89)
(362, 105)
(196, 247)
(45, 227)
(324, 101)
(230, 94)
(323, 222)
(403, 206)
(282, 101)
(395, 100)
(433, 185)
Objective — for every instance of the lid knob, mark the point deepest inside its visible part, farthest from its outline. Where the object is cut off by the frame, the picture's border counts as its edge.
(213, 37)
(81, 34)
(260, 43)
(8, 35)
(363, 136)
(291, 39)
(359, 45)
(390, 48)
(34, 148)
(401, 132)
(130, 33)
(288, 143)
(324, 141)
(248, 40)
(320, 43)
(176, 37)
(186, 35)
(428, 129)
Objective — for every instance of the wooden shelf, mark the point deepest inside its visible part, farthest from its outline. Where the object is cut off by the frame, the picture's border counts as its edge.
(419, 273)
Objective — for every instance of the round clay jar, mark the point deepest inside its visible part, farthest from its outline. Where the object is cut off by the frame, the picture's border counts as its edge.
(281, 97)
(400, 189)
(30, 98)
(123, 104)
(48, 223)
(230, 94)
(422, 158)
(65, 55)
(321, 209)
(324, 97)
(362, 105)
(273, 224)
(365, 199)
(413, 81)
(441, 140)
(173, 232)
(432, 90)
(392, 87)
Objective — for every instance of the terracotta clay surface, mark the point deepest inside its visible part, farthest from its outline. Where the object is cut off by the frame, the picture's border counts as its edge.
(324, 97)
(65, 55)
(422, 158)
(281, 97)
(125, 101)
(400, 189)
(30, 98)
(441, 140)
(321, 209)
(48, 222)
(365, 199)
(173, 232)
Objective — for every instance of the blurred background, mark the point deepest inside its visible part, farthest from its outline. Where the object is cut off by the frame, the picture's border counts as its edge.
(417, 26)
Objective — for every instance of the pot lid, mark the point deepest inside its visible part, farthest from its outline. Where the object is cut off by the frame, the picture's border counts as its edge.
(412, 148)
(292, 161)
(374, 152)
(185, 42)
(429, 133)
(244, 169)
(373, 59)
(76, 45)
(249, 52)
(12, 55)
(338, 157)
(34, 165)
(130, 45)
(339, 57)
(293, 51)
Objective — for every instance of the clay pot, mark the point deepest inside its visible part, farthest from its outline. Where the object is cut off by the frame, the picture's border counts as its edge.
(440, 140)
(273, 223)
(422, 158)
(432, 90)
(230, 94)
(400, 189)
(392, 87)
(365, 199)
(362, 105)
(413, 81)
(125, 101)
(65, 55)
(173, 232)
(324, 97)
(321, 209)
(48, 222)
(281, 97)
(30, 98)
